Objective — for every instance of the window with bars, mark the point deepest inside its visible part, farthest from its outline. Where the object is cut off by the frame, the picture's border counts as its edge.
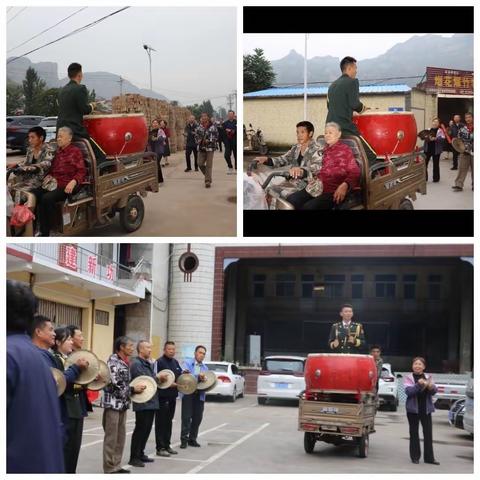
(60, 314)
(285, 285)
(334, 285)
(409, 287)
(385, 286)
(101, 317)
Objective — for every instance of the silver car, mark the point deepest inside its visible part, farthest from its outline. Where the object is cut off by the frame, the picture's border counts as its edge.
(281, 377)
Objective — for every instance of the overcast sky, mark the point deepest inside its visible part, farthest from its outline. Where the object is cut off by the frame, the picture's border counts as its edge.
(196, 47)
(360, 46)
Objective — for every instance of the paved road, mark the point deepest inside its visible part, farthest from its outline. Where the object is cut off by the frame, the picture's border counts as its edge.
(243, 437)
(183, 206)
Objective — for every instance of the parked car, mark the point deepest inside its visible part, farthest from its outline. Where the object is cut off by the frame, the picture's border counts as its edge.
(230, 381)
(49, 124)
(456, 413)
(387, 388)
(449, 392)
(281, 377)
(17, 131)
(468, 414)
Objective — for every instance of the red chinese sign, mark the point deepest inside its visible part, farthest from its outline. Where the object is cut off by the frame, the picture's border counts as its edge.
(110, 272)
(92, 264)
(454, 82)
(67, 256)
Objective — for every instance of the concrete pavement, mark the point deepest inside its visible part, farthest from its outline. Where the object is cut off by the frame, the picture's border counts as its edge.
(243, 437)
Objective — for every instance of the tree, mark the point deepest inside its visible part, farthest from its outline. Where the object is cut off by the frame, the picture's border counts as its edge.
(33, 87)
(258, 72)
(205, 107)
(49, 102)
(14, 98)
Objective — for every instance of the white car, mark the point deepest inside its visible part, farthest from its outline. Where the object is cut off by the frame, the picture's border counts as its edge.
(387, 388)
(230, 382)
(49, 124)
(281, 377)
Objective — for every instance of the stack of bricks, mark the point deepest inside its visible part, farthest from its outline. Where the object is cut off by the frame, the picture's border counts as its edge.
(176, 117)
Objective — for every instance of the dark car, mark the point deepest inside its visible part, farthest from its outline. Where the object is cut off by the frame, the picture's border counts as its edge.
(17, 131)
(456, 413)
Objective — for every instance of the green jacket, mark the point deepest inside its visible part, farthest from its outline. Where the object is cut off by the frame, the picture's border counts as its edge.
(340, 333)
(343, 99)
(72, 106)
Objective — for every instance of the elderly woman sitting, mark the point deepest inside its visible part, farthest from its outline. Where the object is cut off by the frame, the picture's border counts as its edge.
(67, 172)
(304, 161)
(339, 173)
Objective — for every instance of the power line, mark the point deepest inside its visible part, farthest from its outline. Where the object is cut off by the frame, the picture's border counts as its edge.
(17, 14)
(47, 29)
(360, 80)
(85, 27)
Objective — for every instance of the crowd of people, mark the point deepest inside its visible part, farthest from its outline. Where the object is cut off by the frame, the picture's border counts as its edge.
(44, 431)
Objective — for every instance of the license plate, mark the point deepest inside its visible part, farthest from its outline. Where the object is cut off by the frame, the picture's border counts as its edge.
(281, 385)
(328, 428)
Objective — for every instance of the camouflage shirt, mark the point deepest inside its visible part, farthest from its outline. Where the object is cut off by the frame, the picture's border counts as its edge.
(30, 180)
(206, 137)
(117, 394)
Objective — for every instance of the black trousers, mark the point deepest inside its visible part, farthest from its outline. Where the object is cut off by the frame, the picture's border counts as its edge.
(414, 420)
(188, 154)
(71, 449)
(230, 147)
(220, 144)
(436, 166)
(160, 174)
(302, 200)
(163, 422)
(192, 414)
(46, 206)
(141, 432)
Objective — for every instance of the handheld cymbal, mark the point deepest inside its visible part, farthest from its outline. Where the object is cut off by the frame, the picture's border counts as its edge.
(186, 383)
(60, 381)
(148, 393)
(103, 377)
(90, 373)
(209, 382)
(169, 380)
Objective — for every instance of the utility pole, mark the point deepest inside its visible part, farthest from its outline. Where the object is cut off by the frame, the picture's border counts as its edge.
(120, 81)
(305, 80)
(229, 101)
(149, 51)
(234, 95)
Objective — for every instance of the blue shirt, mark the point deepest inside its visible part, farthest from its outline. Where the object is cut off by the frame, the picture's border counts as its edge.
(34, 432)
(189, 365)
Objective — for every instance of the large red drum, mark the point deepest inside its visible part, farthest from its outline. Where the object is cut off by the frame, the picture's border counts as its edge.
(109, 132)
(388, 133)
(340, 373)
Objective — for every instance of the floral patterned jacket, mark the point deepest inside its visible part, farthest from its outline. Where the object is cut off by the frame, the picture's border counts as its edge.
(206, 137)
(30, 180)
(117, 395)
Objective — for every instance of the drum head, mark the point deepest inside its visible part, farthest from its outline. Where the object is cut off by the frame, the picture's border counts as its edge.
(104, 377)
(459, 145)
(60, 381)
(209, 382)
(148, 393)
(169, 380)
(88, 375)
(186, 383)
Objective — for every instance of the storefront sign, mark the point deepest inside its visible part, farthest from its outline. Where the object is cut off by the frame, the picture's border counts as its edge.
(454, 82)
(67, 256)
(92, 265)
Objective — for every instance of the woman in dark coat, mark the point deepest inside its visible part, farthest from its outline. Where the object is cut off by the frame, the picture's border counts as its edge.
(420, 389)
(156, 143)
(166, 130)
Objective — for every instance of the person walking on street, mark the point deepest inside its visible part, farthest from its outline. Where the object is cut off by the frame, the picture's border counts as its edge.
(465, 159)
(144, 412)
(420, 389)
(346, 336)
(156, 144)
(116, 401)
(190, 143)
(206, 136)
(230, 140)
(433, 147)
(167, 402)
(455, 126)
(192, 405)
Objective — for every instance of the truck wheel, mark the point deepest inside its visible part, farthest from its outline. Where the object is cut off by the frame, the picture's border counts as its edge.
(309, 442)
(406, 204)
(261, 400)
(131, 216)
(363, 446)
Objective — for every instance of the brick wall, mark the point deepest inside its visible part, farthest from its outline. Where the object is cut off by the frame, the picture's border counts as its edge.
(176, 117)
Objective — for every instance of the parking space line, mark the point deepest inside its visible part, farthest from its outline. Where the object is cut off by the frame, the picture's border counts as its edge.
(98, 441)
(244, 408)
(128, 467)
(235, 431)
(98, 428)
(220, 454)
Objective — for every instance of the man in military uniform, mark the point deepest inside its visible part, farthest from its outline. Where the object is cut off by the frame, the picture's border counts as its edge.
(343, 99)
(73, 105)
(346, 336)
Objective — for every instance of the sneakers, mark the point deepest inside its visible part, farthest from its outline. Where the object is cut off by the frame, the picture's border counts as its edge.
(135, 462)
(457, 189)
(162, 453)
(171, 451)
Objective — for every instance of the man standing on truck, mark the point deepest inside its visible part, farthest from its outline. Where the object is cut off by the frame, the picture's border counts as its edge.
(346, 336)
(73, 105)
(343, 99)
